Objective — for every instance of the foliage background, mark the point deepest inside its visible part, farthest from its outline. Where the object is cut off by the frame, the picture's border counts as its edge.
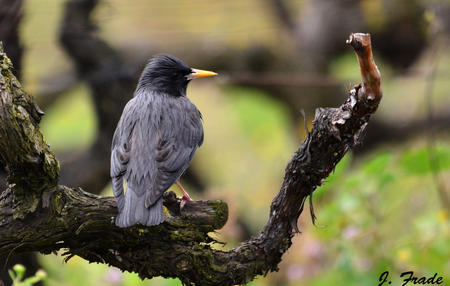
(380, 210)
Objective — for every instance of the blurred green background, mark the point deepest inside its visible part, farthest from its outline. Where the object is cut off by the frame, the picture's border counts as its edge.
(382, 209)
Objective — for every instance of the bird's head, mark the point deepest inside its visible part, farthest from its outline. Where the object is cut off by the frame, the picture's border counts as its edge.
(167, 74)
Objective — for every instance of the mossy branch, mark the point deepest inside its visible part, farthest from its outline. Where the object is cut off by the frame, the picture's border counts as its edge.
(81, 223)
(31, 165)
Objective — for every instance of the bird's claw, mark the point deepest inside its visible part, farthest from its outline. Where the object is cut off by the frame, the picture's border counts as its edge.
(185, 198)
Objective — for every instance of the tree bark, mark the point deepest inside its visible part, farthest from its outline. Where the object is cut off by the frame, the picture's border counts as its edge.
(36, 214)
(10, 19)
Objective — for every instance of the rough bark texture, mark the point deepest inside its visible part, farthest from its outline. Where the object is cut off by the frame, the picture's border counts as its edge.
(81, 223)
(11, 14)
(31, 166)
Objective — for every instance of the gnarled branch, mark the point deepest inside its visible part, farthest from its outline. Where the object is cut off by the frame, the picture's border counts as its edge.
(82, 224)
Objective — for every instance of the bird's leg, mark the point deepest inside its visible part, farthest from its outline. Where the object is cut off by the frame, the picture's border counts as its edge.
(185, 198)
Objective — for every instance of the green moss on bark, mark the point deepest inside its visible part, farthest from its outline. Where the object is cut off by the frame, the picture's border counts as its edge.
(31, 165)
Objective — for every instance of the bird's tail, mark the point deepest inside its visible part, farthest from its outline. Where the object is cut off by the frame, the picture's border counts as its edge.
(134, 211)
(117, 186)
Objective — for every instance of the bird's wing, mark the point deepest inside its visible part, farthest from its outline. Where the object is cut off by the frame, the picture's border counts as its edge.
(179, 134)
(120, 150)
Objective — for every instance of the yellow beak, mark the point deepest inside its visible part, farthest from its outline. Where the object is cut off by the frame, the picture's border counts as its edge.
(201, 73)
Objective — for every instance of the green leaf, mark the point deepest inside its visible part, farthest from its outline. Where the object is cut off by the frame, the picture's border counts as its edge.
(416, 162)
(385, 179)
(20, 270)
(12, 274)
(423, 160)
(443, 157)
(378, 164)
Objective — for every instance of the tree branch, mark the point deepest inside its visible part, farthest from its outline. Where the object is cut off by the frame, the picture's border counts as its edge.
(180, 247)
(11, 15)
(31, 165)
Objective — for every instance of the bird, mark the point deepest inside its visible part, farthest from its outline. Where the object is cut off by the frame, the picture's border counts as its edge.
(155, 140)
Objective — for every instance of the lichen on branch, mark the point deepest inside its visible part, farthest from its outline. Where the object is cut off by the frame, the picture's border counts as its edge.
(31, 166)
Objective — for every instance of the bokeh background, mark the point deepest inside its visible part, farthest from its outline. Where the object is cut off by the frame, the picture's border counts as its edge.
(385, 208)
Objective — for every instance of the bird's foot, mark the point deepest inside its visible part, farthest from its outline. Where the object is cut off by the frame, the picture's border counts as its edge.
(185, 198)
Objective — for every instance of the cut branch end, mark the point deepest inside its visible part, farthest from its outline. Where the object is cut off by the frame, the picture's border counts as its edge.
(370, 92)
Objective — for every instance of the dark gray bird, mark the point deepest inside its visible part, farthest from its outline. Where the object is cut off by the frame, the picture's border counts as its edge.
(155, 140)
